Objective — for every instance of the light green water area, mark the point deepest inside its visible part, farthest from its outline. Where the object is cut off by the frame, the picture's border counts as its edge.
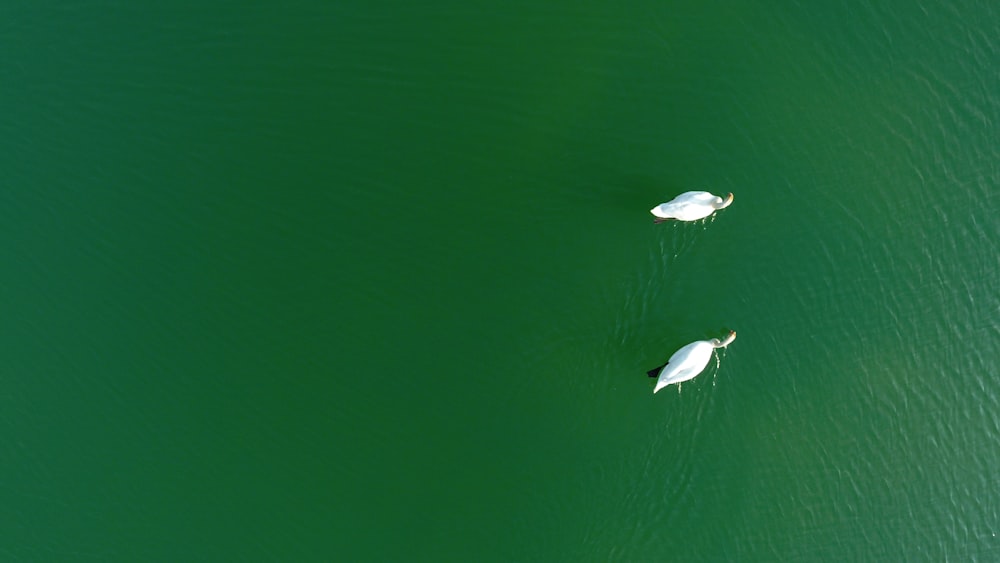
(377, 281)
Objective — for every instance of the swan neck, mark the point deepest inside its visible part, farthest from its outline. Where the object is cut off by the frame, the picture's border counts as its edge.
(720, 203)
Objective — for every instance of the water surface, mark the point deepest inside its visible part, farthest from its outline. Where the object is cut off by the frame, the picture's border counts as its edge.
(375, 282)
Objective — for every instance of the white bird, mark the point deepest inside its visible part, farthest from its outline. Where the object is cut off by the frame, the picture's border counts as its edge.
(690, 206)
(689, 361)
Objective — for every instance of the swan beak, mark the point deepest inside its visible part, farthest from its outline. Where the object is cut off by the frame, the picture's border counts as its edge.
(729, 198)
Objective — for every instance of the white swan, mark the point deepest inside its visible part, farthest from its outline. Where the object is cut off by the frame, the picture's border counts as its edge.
(688, 362)
(690, 206)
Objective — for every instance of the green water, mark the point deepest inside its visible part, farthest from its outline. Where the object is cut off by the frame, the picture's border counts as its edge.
(378, 282)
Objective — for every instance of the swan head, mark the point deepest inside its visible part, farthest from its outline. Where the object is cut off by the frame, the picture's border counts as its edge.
(729, 337)
(725, 341)
(723, 203)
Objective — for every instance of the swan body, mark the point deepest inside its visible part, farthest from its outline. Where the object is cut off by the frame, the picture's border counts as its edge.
(690, 206)
(690, 360)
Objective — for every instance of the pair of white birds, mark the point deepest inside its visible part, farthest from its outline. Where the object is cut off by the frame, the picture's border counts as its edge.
(690, 360)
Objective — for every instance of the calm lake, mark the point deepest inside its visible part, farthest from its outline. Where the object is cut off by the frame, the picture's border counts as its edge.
(377, 281)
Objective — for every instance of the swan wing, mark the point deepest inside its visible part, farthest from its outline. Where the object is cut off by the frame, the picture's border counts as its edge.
(688, 206)
(705, 198)
(685, 364)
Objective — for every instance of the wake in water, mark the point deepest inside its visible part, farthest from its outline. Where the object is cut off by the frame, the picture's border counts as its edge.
(681, 239)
